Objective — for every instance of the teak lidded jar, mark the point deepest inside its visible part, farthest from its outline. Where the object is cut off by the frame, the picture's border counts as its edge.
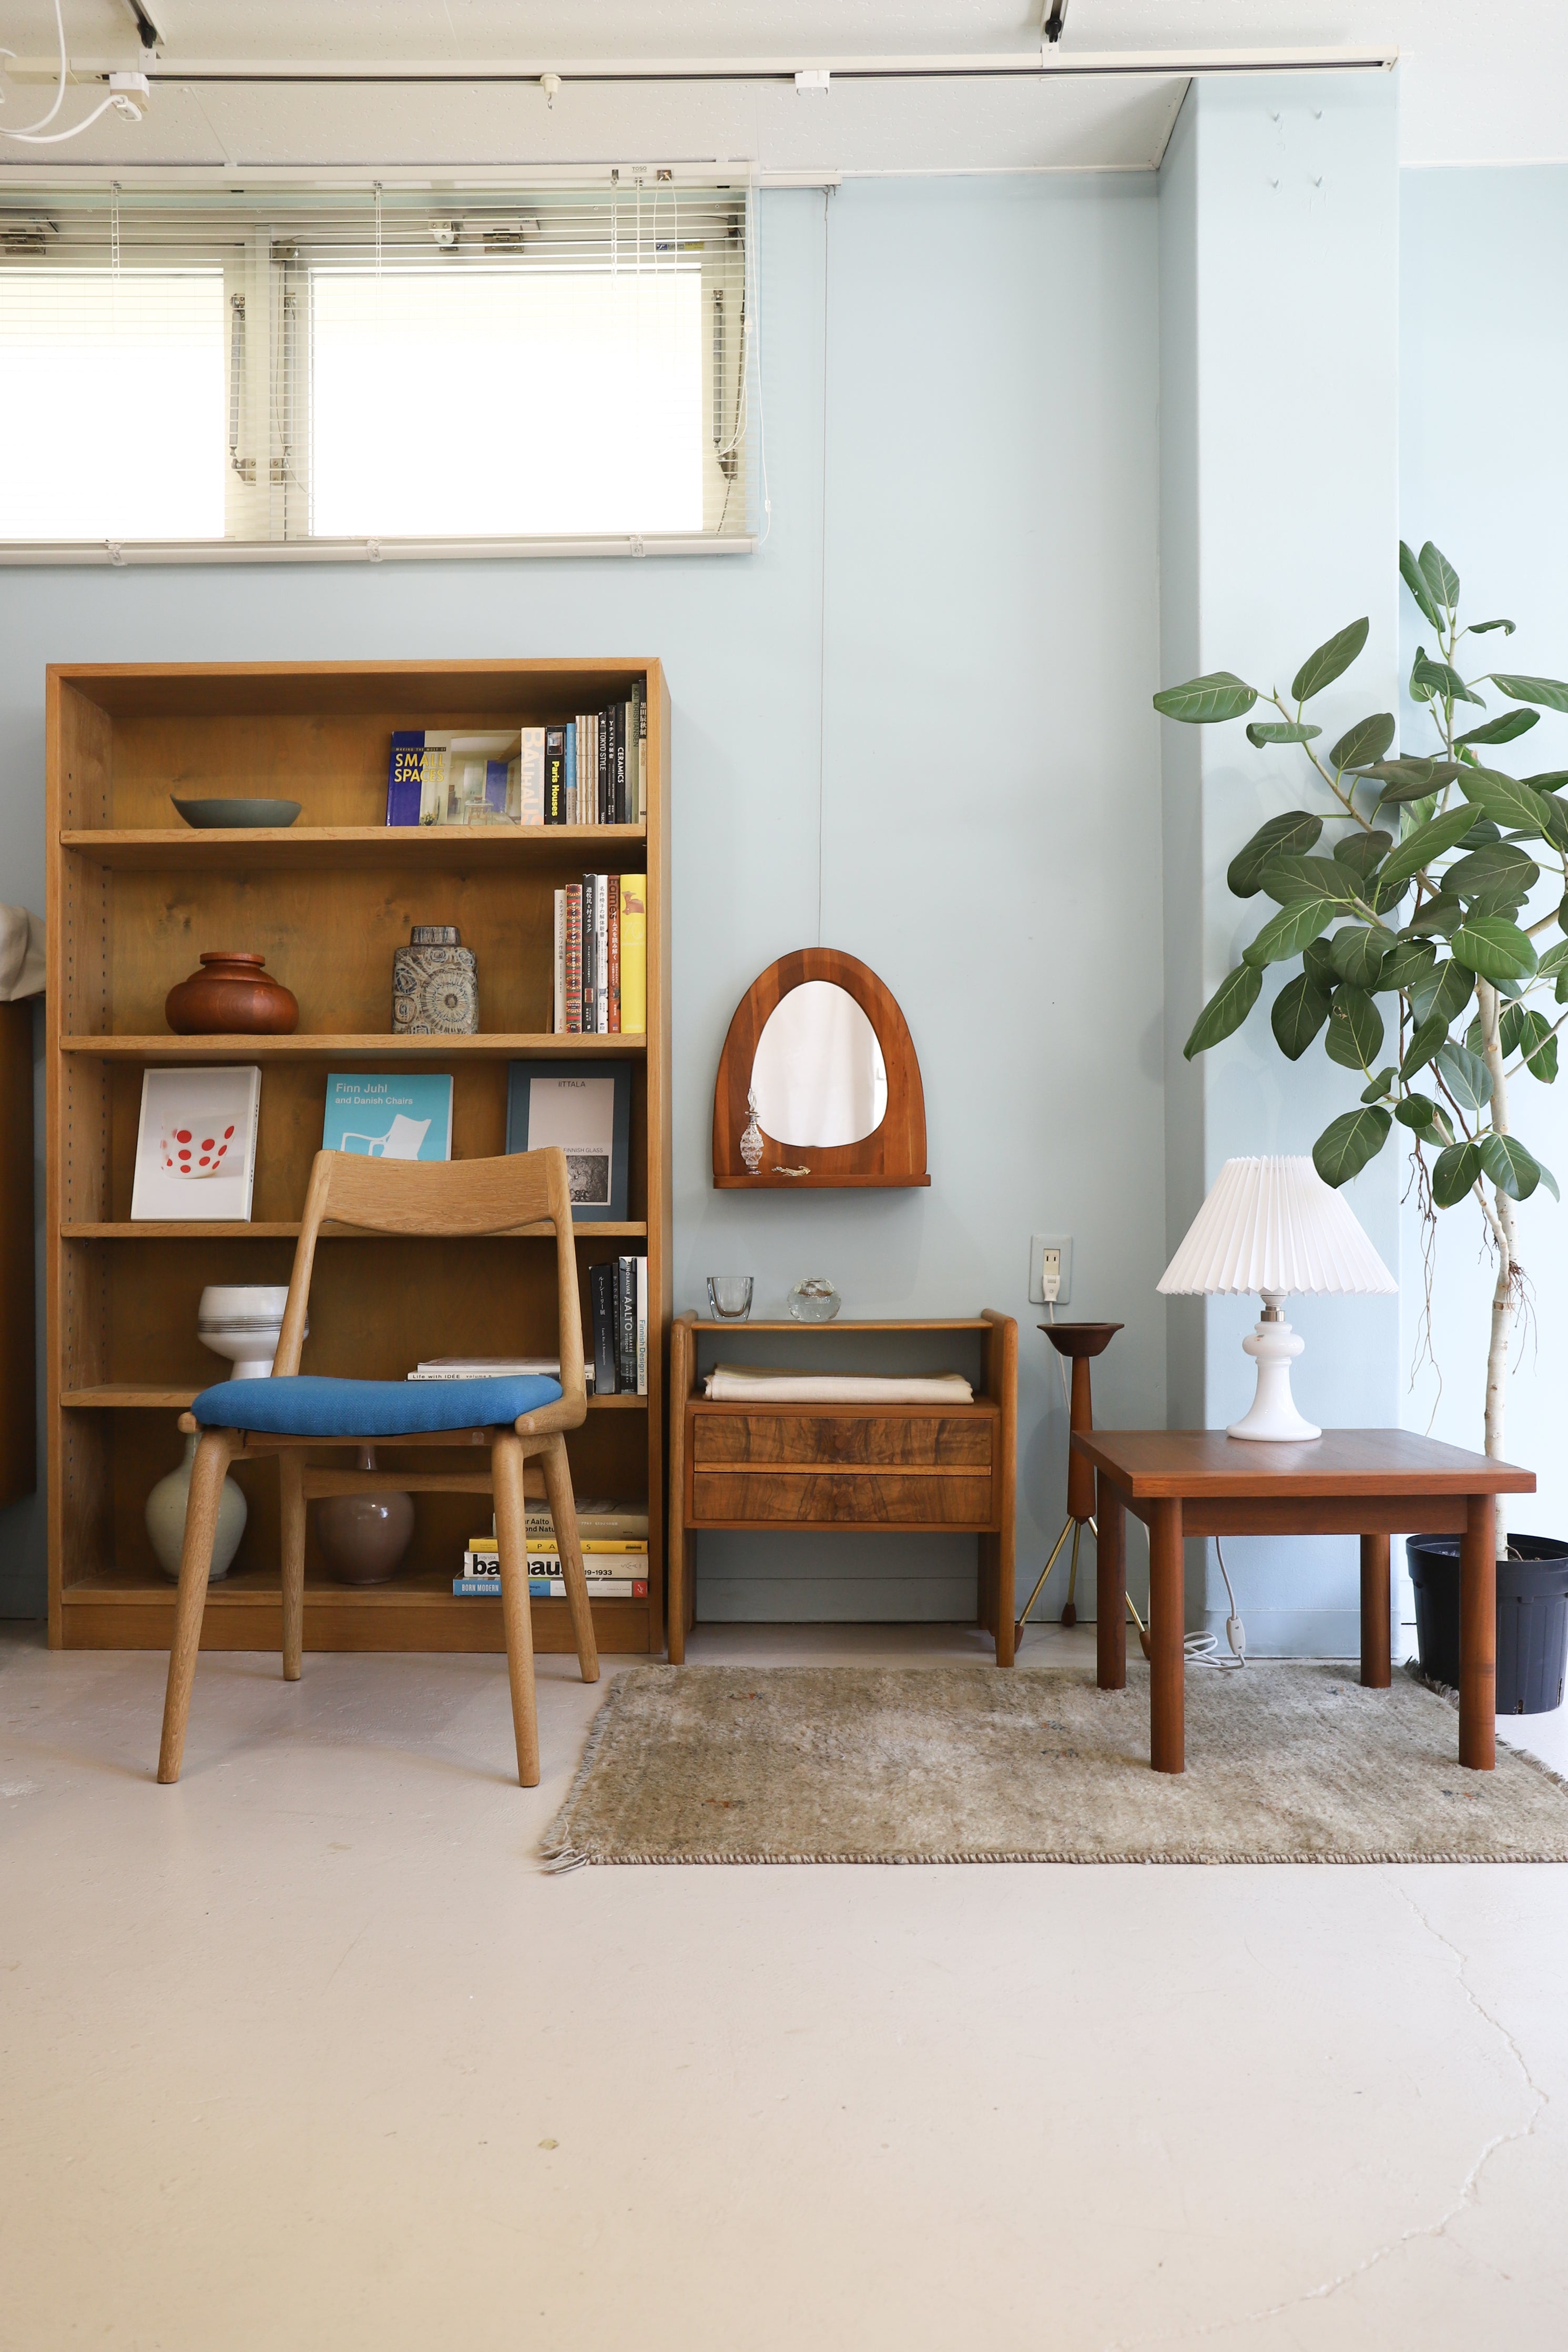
(232, 995)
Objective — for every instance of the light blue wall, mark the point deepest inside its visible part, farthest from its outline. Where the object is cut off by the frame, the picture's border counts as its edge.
(977, 683)
(1279, 257)
(1484, 472)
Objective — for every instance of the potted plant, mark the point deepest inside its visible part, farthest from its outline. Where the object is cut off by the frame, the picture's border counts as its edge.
(1423, 973)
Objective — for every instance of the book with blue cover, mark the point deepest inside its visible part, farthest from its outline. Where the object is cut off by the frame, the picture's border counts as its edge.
(380, 1115)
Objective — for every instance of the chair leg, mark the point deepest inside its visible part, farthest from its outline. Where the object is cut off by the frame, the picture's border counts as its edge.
(207, 1474)
(563, 1511)
(291, 1484)
(511, 1542)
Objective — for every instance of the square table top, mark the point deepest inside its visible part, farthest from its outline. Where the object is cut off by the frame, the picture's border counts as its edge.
(1152, 1464)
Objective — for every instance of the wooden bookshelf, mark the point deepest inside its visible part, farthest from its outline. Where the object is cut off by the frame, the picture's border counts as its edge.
(134, 899)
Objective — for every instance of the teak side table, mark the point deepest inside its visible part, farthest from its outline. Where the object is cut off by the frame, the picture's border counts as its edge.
(912, 1468)
(1373, 1482)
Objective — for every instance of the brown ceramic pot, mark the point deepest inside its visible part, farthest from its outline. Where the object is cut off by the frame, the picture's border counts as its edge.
(232, 995)
(364, 1535)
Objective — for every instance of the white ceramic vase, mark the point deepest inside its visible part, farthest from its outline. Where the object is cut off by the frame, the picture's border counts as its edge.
(166, 1519)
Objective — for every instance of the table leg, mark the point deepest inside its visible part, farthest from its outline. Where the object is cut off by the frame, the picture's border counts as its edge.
(1477, 1634)
(1376, 1649)
(1167, 1615)
(1110, 1586)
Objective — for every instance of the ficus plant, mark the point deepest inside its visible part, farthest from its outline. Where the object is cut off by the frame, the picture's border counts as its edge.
(1402, 896)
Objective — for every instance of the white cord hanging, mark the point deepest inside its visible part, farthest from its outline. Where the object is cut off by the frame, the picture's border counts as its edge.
(127, 93)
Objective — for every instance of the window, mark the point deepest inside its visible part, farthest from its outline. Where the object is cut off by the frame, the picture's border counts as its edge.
(375, 368)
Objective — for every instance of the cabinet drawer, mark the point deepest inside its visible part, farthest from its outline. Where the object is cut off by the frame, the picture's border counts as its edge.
(801, 1439)
(869, 1498)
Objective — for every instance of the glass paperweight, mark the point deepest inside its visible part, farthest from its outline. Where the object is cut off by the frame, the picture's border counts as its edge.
(751, 1144)
(814, 1300)
(729, 1296)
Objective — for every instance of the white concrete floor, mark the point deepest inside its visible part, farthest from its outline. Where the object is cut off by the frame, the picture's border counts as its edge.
(310, 2052)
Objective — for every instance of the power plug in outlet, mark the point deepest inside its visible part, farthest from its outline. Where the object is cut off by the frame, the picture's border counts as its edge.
(1049, 1269)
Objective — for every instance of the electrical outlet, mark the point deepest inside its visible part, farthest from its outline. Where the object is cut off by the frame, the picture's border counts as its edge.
(1042, 1248)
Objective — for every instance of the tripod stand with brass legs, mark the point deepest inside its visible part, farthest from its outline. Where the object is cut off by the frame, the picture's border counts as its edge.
(1078, 1342)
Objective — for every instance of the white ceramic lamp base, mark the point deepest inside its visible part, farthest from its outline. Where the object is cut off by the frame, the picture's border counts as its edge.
(1273, 1347)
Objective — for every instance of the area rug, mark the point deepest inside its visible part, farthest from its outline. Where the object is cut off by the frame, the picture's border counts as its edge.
(1286, 1761)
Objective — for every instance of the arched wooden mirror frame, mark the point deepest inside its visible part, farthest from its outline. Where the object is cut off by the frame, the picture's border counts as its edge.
(892, 1155)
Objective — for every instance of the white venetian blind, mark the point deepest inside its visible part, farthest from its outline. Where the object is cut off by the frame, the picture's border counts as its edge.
(375, 365)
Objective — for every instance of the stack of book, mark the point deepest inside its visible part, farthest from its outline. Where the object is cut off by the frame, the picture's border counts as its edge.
(614, 1539)
(590, 770)
(601, 956)
(595, 766)
(491, 1368)
(617, 1297)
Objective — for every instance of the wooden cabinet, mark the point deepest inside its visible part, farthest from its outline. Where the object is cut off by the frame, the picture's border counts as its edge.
(134, 897)
(18, 1362)
(917, 1469)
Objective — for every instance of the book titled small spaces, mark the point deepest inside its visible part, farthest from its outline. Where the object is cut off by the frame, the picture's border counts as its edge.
(388, 1118)
(437, 777)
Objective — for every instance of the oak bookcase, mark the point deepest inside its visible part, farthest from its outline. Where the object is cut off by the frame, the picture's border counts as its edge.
(134, 899)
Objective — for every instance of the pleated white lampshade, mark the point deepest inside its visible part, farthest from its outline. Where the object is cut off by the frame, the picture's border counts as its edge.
(1274, 1224)
(1275, 1227)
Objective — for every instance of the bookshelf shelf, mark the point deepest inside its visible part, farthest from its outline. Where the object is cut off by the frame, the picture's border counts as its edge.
(161, 849)
(132, 900)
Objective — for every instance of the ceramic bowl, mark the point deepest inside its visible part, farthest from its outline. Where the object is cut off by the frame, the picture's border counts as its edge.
(242, 1320)
(208, 814)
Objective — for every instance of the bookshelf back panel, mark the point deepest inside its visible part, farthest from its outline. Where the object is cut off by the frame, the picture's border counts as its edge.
(293, 1108)
(608, 1458)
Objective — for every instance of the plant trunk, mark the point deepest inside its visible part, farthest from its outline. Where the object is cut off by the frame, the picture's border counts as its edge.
(1500, 1216)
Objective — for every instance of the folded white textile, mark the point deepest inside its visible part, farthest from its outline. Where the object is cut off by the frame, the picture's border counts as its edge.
(741, 1383)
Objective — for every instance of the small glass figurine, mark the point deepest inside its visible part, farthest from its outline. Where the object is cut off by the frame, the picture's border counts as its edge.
(751, 1143)
(814, 1300)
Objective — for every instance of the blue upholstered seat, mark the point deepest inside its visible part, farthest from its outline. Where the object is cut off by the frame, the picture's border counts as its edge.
(302, 1405)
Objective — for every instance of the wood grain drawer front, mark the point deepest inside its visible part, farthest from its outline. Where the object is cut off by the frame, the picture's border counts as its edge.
(841, 1497)
(930, 1441)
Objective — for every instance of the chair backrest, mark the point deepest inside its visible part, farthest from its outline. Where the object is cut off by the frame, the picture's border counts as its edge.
(449, 1197)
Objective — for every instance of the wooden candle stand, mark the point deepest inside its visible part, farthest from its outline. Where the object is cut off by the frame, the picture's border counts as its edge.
(1081, 1342)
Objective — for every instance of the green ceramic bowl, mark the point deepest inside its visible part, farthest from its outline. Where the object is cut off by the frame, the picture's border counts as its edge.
(206, 815)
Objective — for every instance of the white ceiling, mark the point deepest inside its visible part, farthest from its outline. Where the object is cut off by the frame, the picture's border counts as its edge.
(1480, 80)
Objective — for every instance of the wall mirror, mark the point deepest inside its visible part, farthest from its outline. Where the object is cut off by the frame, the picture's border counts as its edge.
(820, 1056)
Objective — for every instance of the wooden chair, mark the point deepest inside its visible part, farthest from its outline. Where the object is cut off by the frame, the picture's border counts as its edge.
(289, 1416)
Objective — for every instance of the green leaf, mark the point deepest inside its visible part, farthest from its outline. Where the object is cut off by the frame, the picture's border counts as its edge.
(1348, 1142)
(1512, 1169)
(1299, 1013)
(1419, 848)
(1409, 964)
(1291, 835)
(1275, 730)
(1548, 1179)
(1481, 628)
(1286, 878)
(1502, 869)
(1551, 780)
(1362, 851)
(1539, 1044)
(1227, 1009)
(1439, 914)
(1354, 1038)
(1554, 961)
(1358, 951)
(1317, 965)
(1202, 700)
(1467, 1077)
(1330, 661)
(1481, 832)
(1493, 946)
(1410, 572)
(1518, 807)
(1546, 693)
(1429, 677)
(1444, 994)
(1428, 1036)
(1503, 729)
(1440, 576)
(1455, 1172)
(1380, 1085)
(1288, 931)
(1411, 780)
(1419, 1111)
(1367, 740)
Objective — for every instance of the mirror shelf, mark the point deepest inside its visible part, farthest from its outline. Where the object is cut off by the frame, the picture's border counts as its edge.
(870, 1080)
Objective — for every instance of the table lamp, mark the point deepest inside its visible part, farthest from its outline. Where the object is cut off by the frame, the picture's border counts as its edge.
(1274, 1226)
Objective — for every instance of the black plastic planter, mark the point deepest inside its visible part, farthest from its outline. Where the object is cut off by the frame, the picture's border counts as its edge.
(1531, 1618)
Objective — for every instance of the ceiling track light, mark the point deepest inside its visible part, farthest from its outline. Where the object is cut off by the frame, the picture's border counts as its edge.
(148, 29)
(1054, 19)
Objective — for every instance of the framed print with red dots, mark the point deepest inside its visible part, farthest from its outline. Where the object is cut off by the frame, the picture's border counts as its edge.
(195, 1145)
